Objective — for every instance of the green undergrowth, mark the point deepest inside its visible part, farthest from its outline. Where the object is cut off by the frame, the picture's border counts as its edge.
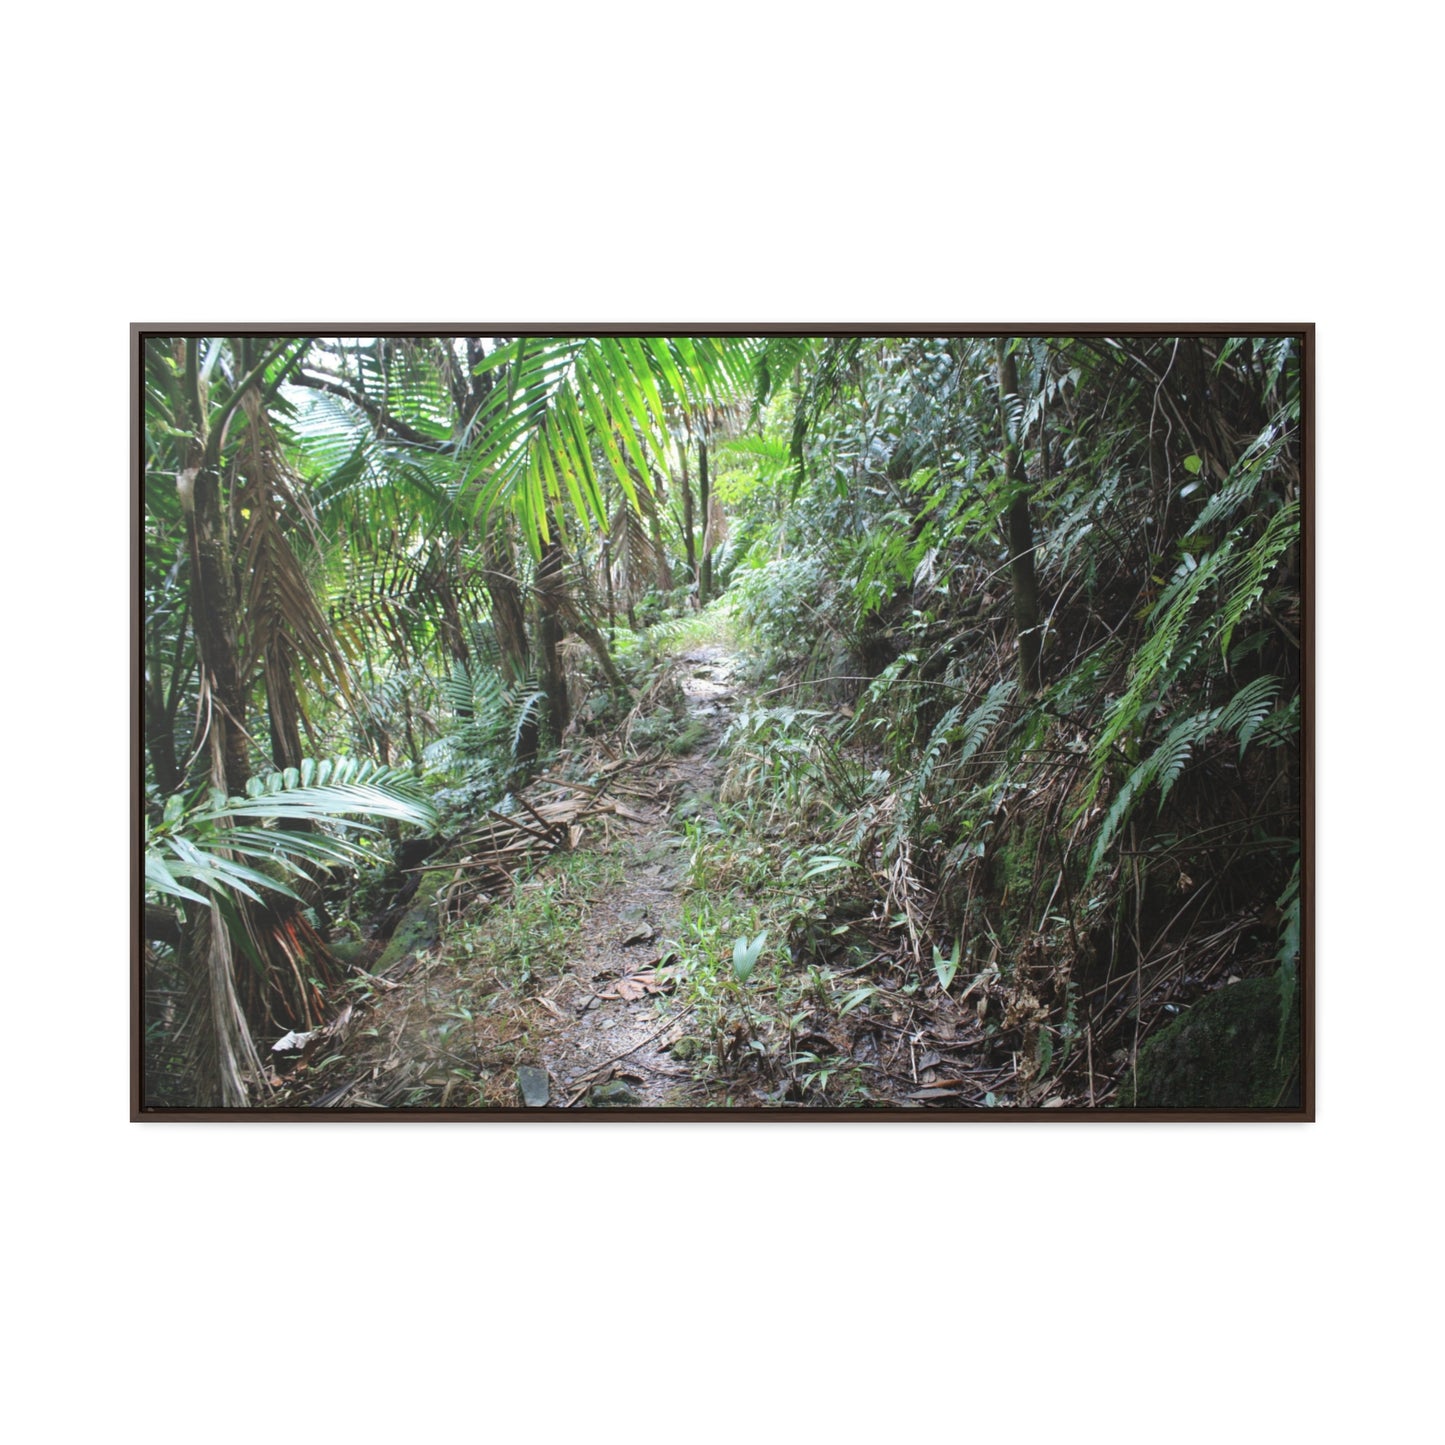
(528, 939)
(773, 1030)
(468, 1023)
(715, 624)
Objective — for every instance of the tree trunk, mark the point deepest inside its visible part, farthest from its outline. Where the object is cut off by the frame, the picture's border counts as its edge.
(659, 547)
(214, 615)
(549, 630)
(454, 636)
(161, 739)
(509, 612)
(499, 561)
(1020, 537)
(704, 494)
(687, 538)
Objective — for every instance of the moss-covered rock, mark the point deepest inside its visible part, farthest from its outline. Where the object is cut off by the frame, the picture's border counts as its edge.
(419, 928)
(1229, 1051)
(687, 739)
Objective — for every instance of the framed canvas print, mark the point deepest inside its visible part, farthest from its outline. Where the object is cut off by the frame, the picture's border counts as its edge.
(657, 722)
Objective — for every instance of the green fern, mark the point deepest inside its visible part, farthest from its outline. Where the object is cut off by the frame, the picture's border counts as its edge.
(969, 738)
(1156, 662)
(1247, 710)
(938, 741)
(1258, 461)
(491, 716)
(1242, 716)
(1247, 576)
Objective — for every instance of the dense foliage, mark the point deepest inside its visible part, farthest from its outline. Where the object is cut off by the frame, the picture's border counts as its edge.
(1024, 613)
(1058, 580)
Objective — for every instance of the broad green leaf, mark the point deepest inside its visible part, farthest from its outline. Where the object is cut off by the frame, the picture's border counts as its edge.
(946, 968)
(745, 955)
(163, 879)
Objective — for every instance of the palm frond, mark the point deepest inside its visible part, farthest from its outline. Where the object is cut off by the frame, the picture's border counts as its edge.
(204, 847)
(552, 397)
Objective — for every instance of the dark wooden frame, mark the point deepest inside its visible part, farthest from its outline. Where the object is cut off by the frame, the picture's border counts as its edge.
(1305, 1113)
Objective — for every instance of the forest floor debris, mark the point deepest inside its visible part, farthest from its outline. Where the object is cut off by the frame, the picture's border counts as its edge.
(582, 962)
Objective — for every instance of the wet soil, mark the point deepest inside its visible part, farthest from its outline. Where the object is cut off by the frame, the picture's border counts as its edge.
(614, 1018)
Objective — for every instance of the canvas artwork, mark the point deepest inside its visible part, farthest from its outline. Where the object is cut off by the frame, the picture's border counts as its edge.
(714, 722)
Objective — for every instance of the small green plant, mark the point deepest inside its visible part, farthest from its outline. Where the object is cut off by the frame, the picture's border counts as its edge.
(946, 968)
(745, 955)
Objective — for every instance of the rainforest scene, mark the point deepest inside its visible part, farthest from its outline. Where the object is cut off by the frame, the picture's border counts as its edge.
(661, 724)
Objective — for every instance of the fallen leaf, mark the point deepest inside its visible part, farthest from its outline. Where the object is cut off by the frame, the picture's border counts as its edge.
(293, 1041)
(634, 986)
(935, 1093)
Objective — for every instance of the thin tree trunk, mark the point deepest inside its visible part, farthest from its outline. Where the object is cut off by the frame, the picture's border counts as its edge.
(704, 574)
(161, 740)
(611, 594)
(509, 623)
(688, 540)
(509, 613)
(549, 630)
(659, 547)
(453, 633)
(1020, 537)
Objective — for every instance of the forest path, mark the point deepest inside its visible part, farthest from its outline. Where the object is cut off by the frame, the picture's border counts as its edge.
(612, 1019)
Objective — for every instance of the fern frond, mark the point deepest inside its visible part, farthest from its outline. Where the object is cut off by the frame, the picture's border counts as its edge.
(524, 704)
(985, 717)
(938, 740)
(1248, 708)
(1169, 758)
(1247, 576)
(1155, 662)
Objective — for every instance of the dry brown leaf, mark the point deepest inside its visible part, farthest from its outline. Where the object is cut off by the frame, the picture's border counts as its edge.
(634, 986)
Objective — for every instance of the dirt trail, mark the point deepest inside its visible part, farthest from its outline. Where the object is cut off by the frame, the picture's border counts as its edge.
(562, 991)
(612, 1018)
